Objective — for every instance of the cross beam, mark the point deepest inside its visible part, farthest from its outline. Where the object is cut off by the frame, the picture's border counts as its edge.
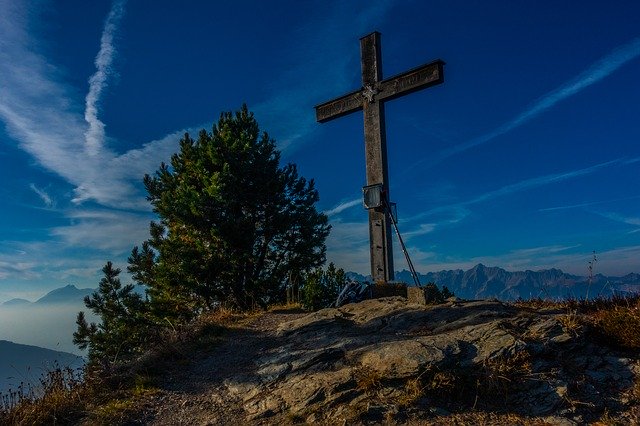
(370, 98)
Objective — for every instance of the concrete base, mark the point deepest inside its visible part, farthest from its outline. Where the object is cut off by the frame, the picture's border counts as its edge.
(389, 289)
(416, 295)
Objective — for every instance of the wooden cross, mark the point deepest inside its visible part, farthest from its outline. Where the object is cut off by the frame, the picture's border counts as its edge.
(370, 98)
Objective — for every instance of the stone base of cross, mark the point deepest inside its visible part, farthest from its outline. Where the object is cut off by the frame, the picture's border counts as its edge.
(370, 98)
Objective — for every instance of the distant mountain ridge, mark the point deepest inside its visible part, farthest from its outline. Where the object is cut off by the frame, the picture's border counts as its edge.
(67, 294)
(483, 282)
(49, 322)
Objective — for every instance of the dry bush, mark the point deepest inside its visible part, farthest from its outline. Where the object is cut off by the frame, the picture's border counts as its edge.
(571, 322)
(367, 379)
(431, 382)
(620, 325)
(503, 375)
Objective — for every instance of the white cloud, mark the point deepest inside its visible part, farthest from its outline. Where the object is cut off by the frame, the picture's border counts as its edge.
(348, 246)
(95, 134)
(633, 221)
(423, 229)
(42, 114)
(342, 206)
(542, 180)
(24, 270)
(592, 203)
(102, 229)
(46, 198)
(519, 187)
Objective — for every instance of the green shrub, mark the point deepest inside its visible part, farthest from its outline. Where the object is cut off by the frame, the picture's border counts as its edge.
(321, 288)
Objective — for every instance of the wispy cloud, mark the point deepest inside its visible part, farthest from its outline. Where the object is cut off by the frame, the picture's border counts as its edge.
(589, 204)
(515, 188)
(342, 206)
(103, 229)
(95, 134)
(348, 246)
(594, 73)
(49, 264)
(422, 229)
(41, 112)
(541, 181)
(47, 119)
(452, 214)
(634, 221)
(24, 270)
(46, 198)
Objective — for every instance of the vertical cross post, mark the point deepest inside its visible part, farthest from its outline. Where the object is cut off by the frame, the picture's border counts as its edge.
(377, 172)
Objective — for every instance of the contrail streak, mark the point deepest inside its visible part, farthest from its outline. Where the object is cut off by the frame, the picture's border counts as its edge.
(343, 206)
(95, 135)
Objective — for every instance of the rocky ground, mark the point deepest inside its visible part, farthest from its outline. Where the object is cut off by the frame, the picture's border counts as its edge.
(384, 361)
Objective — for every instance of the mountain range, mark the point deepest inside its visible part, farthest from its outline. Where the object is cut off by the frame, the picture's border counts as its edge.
(26, 364)
(49, 322)
(483, 282)
(66, 294)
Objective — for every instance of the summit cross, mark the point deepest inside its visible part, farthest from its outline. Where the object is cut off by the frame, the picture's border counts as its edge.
(370, 98)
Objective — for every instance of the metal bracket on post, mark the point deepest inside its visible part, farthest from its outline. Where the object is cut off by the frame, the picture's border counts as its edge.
(374, 198)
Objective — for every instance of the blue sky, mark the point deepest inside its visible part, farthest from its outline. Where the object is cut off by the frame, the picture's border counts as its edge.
(526, 157)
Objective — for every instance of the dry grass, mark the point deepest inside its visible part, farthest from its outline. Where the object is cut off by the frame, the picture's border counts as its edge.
(431, 382)
(620, 325)
(635, 391)
(485, 386)
(571, 322)
(287, 308)
(580, 306)
(614, 319)
(486, 419)
(59, 398)
(501, 375)
(367, 379)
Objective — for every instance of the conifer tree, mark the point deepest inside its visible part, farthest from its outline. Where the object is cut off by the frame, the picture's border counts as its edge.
(233, 223)
(120, 332)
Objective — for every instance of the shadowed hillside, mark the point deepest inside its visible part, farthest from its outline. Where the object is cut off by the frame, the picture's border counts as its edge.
(385, 361)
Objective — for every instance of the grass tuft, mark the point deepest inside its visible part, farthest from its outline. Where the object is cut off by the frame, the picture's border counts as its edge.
(367, 379)
(620, 325)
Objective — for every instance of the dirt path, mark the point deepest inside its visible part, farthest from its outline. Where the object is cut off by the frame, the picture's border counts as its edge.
(201, 392)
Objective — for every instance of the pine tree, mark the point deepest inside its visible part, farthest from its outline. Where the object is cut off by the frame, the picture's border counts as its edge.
(121, 331)
(233, 222)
